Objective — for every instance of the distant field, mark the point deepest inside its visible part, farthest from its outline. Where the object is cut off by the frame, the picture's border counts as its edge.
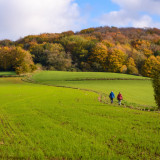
(61, 76)
(45, 122)
(7, 73)
(135, 92)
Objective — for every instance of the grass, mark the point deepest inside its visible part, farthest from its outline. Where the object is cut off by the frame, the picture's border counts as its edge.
(136, 93)
(7, 73)
(45, 122)
(61, 76)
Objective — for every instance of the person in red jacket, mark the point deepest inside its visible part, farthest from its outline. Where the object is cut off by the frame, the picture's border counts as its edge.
(120, 98)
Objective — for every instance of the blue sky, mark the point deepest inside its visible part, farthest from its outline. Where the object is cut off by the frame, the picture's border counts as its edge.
(94, 9)
(25, 17)
(131, 13)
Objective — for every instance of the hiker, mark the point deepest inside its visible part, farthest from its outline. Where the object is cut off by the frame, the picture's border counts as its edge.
(120, 98)
(111, 96)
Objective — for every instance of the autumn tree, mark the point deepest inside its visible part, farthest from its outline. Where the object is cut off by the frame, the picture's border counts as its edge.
(131, 66)
(108, 43)
(6, 59)
(99, 55)
(156, 49)
(39, 54)
(89, 30)
(58, 58)
(68, 33)
(16, 59)
(151, 65)
(123, 69)
(22, 61)
(143, 46)
(139, 59)
(6, 43)
(79, 47)
(51, 56)
(116, 59)
(126, 50)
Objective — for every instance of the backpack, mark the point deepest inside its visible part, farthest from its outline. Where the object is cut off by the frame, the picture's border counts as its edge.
(119, 97)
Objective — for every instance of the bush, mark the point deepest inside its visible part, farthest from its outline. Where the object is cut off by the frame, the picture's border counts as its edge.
(39, 66)
(132, 70)
(123, 69)
(156, 86)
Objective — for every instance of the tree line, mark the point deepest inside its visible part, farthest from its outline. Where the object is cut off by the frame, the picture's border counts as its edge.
(106, 49)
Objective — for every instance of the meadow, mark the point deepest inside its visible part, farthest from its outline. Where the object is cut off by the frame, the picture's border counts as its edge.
(7, 73)
(47, 122)
(137, 91)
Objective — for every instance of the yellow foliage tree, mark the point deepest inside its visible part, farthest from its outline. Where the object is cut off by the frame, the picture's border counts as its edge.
(107, 43)
(116, 59)
(5, 58)
(131, 67)
(131, 62)
(17, 59)
(158, 58)
(99, 54)
(123, 69)
(143, 46)
(147, 52)
(151, 64)
(22, 62)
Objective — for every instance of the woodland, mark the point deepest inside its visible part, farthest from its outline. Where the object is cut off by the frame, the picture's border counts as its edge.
(103, 49)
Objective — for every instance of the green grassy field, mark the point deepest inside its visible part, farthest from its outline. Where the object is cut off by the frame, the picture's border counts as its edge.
(135, 92)
(7, 73)
(45, 122)
(61, 76)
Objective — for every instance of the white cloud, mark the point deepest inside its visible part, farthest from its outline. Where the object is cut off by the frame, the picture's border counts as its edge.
(115, 18)
(23, 17)
(151, 6)
(136, 13)
(144, 21)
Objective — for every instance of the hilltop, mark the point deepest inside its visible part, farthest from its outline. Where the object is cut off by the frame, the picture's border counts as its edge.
(106, 49)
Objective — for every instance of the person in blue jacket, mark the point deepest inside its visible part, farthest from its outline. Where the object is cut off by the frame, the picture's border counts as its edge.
(111, 96)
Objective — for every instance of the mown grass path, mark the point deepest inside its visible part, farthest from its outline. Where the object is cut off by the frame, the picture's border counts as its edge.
(44, 122)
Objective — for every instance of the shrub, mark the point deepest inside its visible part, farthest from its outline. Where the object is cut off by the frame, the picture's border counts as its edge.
(132, 70)
(123, 69)
(156, 86)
